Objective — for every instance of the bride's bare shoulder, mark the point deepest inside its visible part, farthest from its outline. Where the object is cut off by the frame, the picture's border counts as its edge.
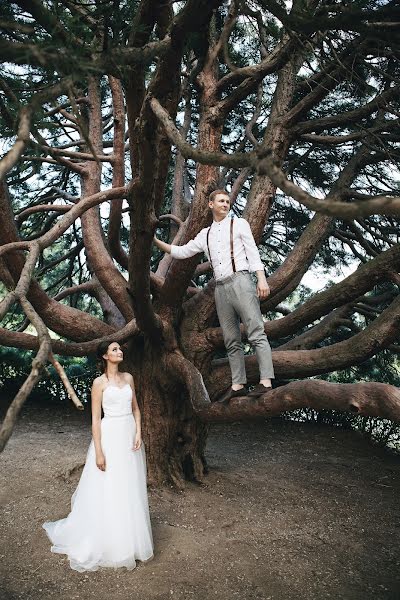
(127, 377)
(99, 382)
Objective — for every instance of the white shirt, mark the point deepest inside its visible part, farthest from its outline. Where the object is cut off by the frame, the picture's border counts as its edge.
(247, 257)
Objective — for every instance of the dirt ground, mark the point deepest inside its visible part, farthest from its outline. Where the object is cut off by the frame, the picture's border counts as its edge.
(288, 511)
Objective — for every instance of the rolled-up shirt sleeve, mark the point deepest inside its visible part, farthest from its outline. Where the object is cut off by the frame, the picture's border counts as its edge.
(252, 253)
(191, 248)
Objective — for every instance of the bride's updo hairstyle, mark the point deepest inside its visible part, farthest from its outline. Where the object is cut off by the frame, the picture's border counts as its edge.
(100, 351)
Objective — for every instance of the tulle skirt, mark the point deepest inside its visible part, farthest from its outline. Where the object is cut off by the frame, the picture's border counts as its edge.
(109, 522)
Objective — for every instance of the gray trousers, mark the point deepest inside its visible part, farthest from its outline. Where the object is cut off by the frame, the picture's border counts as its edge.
(236, 298)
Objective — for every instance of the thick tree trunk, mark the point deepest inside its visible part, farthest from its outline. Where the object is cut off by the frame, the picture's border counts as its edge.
(174, 437)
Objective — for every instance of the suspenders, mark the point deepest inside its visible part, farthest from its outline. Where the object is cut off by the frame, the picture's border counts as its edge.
(231, 244)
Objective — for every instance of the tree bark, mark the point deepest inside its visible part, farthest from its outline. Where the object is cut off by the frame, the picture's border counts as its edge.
(364, 399)
(174, 436)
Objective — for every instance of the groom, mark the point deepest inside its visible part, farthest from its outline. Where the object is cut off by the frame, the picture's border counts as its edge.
(231, 249)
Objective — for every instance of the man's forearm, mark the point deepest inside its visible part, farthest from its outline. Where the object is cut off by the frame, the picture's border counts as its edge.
(261, 275)
(263, 289)
(162, 245)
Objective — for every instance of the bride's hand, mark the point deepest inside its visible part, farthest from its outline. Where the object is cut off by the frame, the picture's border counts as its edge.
(101, 462)
(138, 442)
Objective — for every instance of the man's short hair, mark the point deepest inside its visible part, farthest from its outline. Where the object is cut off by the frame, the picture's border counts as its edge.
(215, 193)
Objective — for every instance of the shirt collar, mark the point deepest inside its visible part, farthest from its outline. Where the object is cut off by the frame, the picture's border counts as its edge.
(228, 217)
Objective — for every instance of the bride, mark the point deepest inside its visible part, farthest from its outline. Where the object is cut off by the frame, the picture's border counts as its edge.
(109, 523)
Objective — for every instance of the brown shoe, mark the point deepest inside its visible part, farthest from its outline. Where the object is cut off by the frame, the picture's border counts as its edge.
(232, 394)
(259, 390)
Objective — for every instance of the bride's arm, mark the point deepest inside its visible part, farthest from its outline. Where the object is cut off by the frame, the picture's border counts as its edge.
(97, 391)
(136, 414)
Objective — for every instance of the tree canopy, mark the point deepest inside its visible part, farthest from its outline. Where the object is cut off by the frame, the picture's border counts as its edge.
(118, 118)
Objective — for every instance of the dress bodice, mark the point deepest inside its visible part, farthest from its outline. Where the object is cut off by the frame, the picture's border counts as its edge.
(117, 401)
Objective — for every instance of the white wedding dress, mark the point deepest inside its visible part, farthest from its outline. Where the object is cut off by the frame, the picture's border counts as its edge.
(109, 522)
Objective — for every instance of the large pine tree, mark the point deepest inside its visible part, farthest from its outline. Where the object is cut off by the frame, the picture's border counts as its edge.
(121, 117)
